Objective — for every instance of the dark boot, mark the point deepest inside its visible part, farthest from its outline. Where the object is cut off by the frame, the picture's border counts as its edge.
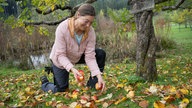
(44, 79)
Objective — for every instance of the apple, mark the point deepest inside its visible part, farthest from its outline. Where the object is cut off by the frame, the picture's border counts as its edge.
(81, 72)
(85, 98)
(97, 87)
(76, 91)
(94, 97)
(80, 78)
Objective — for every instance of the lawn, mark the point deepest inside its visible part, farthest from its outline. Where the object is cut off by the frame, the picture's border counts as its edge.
(172, 89)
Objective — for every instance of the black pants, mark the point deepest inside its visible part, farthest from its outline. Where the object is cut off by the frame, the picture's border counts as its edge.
(61, 76)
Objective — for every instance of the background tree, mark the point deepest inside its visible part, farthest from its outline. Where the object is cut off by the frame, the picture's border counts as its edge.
(146, 40)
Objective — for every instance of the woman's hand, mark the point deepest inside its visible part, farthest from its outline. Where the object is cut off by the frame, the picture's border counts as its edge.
(101, 82)
(75, 73)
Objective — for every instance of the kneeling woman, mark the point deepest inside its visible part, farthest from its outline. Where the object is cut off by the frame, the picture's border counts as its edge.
(75, 43)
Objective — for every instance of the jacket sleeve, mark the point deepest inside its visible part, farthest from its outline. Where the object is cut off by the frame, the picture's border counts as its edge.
(60, 45)
(90, 58)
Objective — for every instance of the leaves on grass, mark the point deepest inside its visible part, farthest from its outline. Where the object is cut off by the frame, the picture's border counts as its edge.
(122, 88)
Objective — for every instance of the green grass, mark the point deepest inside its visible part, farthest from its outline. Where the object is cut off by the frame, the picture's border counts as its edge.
(183, 37)
(22, 88)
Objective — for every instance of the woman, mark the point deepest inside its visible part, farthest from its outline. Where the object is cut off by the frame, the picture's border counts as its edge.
(75, 43)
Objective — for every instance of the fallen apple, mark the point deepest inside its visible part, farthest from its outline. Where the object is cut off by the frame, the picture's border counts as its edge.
(76, 91)
(97, 87)
(94, 98)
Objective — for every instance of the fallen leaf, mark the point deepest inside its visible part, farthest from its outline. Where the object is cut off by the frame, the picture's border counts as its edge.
(120, 85)
(184, 91)
(73, 104)
(105, 105)
(144, 104)
(131, 94)
(78, 106)
(109, 96)
(171, 106)
(153, 89)
(120, 100)
(39, 97)
(83, 101)
(172, 90)
(183, 105)
(158, 104)
(129, 88)
(2, 103)
(88, 104)
(169, 99)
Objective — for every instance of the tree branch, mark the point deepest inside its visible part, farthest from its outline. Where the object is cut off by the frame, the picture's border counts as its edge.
(90, 1)
(73, 10)
(45, 22)
(160, 1)
(56, 7)
(174, 7)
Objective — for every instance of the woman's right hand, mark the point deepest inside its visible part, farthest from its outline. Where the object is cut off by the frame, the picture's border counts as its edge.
(75, 73)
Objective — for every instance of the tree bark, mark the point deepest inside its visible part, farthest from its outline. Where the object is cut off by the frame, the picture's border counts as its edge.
(146, 46)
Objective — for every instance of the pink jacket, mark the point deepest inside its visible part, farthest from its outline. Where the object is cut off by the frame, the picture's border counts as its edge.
(66, 51)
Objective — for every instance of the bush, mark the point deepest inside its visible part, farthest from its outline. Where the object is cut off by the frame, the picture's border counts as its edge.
(165, 43)
(117, 47)
(162, 31)
(16, 45)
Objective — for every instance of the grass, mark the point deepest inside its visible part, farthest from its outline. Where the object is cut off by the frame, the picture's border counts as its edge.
(23, 88)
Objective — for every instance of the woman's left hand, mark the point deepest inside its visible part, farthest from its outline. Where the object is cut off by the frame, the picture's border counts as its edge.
(101, 82)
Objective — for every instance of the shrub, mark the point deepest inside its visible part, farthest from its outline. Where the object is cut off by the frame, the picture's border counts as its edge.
(162, 29)
(117, 47)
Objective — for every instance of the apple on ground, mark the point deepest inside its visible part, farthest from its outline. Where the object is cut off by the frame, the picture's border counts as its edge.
(94, 97)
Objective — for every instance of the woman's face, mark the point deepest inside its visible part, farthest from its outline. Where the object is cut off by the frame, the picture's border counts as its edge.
(84, 22)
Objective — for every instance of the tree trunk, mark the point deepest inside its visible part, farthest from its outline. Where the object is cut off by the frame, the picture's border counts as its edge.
(146, 46)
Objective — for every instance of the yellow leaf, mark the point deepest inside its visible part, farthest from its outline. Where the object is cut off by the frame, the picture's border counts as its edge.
(120, 86)
(129, 88)
(184, 91)
(185, 100)
(39, 97)
(158, 104)
(74, 96)
(25, 99)
(48, 103)
(172, 90)
(52, 7)
(78, 106)
(27, 89)
(120, 100)
(6, 83)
